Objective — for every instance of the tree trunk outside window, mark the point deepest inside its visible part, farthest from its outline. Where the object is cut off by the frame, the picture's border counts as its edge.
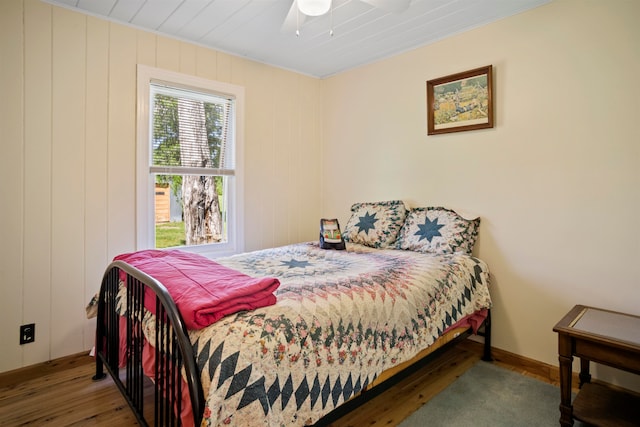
(201, 208)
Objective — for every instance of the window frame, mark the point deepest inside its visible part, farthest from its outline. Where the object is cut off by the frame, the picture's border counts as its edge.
(145, 180)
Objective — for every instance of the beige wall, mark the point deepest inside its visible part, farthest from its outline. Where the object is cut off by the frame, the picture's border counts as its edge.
(556, 181)
(67, 168)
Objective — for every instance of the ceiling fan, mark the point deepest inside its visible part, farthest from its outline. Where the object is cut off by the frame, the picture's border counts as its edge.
(301, 9)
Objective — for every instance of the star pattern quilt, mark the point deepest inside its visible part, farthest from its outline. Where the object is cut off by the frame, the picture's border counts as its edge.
(341, 318)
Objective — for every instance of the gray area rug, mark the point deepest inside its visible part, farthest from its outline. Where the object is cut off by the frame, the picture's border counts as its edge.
(489, 396)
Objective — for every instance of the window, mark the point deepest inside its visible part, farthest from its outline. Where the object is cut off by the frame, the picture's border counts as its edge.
(189, 168)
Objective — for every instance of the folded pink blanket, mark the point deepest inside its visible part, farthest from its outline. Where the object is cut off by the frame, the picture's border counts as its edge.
(203, 290)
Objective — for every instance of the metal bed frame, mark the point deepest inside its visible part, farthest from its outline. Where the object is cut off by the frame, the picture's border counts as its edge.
(173, 352)
(157, 402)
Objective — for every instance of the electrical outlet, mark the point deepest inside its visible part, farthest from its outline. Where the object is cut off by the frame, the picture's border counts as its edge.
(27, 333)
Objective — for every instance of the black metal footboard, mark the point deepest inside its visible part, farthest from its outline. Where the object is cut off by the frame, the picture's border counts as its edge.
(160, 401)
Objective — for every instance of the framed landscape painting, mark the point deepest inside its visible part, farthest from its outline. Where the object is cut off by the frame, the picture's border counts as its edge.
(462, 101)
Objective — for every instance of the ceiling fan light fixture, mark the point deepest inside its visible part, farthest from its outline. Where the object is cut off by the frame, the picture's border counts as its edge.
(314, 7)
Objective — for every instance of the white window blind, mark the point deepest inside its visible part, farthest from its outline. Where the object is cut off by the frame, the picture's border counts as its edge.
(191, 132)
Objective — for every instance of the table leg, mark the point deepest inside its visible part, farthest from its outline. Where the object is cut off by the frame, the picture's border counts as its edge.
(566, 361)
(585, 376)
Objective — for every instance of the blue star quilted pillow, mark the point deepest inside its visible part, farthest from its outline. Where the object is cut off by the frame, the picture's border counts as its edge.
(375, 224)
(438, 230)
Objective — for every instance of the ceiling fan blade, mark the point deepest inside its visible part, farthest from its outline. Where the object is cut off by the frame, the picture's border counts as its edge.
(294, 20)
(395, 6)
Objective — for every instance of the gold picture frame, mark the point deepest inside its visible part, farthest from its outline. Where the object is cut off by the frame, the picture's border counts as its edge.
(459, 102)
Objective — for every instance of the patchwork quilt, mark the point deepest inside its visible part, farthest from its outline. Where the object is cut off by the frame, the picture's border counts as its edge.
(341, 318)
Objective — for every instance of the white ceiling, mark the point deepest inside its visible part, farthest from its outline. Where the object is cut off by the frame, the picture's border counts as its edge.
(254, 29)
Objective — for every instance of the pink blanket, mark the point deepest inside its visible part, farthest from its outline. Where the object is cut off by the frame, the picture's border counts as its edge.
(203, 290)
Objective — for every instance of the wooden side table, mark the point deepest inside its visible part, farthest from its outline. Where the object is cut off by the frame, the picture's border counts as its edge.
(605, 337)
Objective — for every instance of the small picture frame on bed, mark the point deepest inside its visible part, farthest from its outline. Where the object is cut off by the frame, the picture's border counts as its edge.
(459, 102)
(330, 234)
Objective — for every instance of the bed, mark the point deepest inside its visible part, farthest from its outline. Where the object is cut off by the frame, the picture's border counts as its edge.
(344, 322)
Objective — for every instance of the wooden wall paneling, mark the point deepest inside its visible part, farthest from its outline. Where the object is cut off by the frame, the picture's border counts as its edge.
(121, 144)
(187, 59)
(297, 144)
(37, 177)
(284, 123)
(11, 180)
(223, 73)
(259, 113)
(305, 141)
(308, 142)
(294, 180)
(239, 68)
(146, 50)
(168, 53)
(96, 142)
(67, 181)
(206, 63)
(266, 184)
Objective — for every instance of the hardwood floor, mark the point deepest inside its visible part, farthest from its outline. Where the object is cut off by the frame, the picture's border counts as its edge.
(62, 393)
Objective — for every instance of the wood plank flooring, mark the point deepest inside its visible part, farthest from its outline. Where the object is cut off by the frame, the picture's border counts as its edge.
(62, 393)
